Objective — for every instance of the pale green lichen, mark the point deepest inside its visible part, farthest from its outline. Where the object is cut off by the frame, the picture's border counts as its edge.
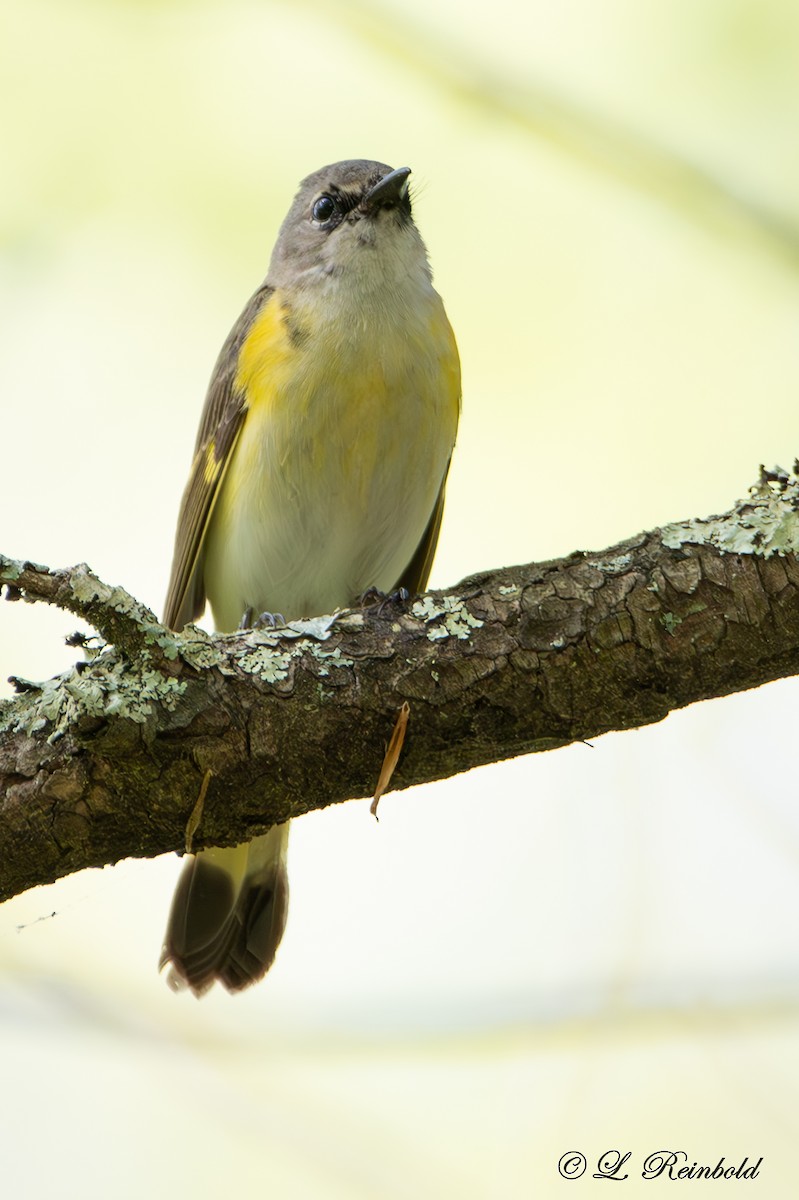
(197, 648)
(106, 689)
(87, 588)
(270, 658)
(764, 524)
(108, 686)
(439, 633)
(311, 627)
(616, 565)
(330, 658)
(267, 662)
(10, 569)
(670, 621)
(335, 654)
(451, 615)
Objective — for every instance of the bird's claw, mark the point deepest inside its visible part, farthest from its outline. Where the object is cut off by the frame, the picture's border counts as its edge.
(263, 621)
(374, 598)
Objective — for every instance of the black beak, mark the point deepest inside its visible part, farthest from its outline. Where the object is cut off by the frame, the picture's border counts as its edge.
(391, 189)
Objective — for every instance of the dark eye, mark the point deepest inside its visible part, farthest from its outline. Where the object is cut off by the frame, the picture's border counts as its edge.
(323, 209)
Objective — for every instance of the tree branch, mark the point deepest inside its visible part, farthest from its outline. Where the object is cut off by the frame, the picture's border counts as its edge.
(109, 759)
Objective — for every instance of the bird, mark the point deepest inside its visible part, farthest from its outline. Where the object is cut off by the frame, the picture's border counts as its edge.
(318, 477)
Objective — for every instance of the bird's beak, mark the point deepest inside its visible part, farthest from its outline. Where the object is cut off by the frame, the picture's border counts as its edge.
(391, 189)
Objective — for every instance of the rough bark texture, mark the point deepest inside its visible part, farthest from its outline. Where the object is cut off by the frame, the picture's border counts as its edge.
(108, 760)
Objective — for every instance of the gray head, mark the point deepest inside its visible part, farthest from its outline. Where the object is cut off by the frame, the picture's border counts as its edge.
(352, 218)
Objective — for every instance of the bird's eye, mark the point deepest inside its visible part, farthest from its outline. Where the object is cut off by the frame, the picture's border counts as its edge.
(323, 209)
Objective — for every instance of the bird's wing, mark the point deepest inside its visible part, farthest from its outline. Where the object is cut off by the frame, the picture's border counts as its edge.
(220, 425)
(417, 572)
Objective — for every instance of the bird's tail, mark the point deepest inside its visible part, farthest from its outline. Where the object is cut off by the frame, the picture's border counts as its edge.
(228, 915)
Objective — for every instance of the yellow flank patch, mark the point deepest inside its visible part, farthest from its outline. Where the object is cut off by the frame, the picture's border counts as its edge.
(265, 353)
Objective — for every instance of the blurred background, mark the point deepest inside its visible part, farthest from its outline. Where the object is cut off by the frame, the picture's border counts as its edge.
(585, 950)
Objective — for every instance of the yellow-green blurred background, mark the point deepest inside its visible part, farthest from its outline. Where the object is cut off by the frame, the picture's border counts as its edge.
(587, 950)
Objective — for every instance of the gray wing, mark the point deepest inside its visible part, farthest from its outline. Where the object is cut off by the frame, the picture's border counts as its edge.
(417, 572)
(220, 425)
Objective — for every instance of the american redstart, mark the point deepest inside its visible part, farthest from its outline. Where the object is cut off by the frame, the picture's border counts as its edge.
(318, 475)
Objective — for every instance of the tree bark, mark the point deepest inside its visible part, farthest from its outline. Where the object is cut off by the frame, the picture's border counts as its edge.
(109, 760)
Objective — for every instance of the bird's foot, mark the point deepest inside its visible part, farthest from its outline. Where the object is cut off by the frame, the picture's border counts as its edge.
(265, 620)
(374, 598)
